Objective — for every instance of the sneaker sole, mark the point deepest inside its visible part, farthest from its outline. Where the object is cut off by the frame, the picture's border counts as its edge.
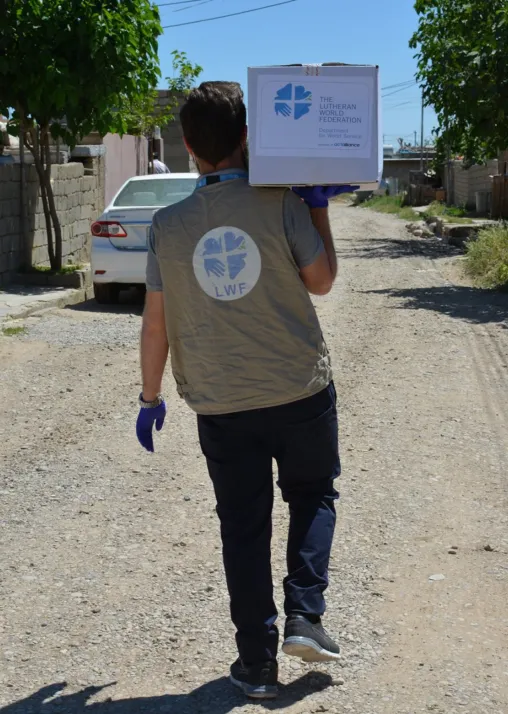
(308, 650)
(264, 691)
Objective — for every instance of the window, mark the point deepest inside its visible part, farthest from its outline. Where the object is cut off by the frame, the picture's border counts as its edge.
(155, 192)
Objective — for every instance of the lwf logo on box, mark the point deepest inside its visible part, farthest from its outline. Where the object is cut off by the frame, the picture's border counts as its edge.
(297, 105)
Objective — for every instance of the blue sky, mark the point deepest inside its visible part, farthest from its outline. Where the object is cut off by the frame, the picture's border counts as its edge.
(307, 31)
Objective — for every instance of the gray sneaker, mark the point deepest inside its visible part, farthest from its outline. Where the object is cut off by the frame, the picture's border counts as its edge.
(308, 641)
(257, 681)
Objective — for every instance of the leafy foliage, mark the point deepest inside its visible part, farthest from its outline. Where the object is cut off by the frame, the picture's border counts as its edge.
(145, 113)
(71, 65)
(487, 258)
(441, 209)
(461, 51)
(68, 67)
(184, 73)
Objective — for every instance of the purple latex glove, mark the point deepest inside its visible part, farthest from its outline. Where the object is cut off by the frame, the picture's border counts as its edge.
(318, 196)
(144, 425)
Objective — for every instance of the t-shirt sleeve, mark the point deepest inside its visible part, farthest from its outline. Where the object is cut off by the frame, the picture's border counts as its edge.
(304, 241)
(153, 273)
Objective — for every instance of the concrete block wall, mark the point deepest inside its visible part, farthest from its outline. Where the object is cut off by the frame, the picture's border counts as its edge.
(480, 178)
(11, 247)
(462, 184)
(79, 197)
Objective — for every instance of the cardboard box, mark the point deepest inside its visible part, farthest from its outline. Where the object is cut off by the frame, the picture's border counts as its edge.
(315, 125)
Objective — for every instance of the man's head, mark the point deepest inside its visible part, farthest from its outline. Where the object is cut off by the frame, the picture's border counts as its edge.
(214, 121)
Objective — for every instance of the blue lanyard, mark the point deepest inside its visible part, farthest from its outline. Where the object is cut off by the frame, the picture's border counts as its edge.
(219, 178)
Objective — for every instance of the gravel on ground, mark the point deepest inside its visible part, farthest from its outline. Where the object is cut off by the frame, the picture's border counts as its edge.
(112, 591)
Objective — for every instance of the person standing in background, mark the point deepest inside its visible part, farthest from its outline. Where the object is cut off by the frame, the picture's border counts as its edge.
(159, 167)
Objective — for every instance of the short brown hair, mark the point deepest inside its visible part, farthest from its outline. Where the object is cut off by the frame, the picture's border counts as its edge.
(214, 120)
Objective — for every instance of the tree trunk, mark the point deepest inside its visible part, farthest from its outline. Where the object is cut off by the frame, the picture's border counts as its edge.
(38, 153)
(57, 228)
(27, 245)
(47, 218)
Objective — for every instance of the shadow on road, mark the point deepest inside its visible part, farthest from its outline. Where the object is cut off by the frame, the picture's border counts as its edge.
(131, 301)
(392, 248)
(463, 303)
(216, 697)
(31, 290)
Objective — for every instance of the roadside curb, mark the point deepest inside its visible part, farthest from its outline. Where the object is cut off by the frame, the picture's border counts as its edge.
(33, 305)
(78, 279)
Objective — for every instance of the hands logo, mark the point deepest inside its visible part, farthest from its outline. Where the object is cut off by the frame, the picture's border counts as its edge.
(227, 263)
(295, 104)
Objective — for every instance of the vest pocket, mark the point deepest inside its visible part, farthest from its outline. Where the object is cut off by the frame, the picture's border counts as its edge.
(183, 389)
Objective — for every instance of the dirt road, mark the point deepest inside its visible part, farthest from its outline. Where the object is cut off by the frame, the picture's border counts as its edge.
(110, 558)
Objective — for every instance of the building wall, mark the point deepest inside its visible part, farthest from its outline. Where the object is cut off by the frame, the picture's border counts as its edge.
(78, 194)
(176, 156)
(399, 169)
(462, 184)
(82, 189)
(126, 156)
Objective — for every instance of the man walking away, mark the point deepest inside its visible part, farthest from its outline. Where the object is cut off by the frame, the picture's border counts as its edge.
(229, 273)
(158, 166)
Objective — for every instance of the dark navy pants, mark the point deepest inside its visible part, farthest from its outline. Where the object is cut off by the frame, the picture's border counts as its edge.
(302, 437)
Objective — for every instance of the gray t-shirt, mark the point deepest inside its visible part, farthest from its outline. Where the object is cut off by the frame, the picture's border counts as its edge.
(304, 241)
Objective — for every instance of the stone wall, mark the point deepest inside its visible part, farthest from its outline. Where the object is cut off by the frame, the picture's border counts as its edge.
(79, 197)
(11, 249)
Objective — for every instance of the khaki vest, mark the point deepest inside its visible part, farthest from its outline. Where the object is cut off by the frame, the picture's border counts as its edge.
(242, 330)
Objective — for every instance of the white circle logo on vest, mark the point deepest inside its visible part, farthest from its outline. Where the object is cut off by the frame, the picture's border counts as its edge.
(227, 263)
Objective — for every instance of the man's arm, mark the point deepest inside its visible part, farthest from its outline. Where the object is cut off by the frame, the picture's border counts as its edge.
(321, 220)
(154, 345)
(154, 352)
(310, 239)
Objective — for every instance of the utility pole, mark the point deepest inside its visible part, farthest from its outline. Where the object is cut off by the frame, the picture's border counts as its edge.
(415, 141)
(421, 135)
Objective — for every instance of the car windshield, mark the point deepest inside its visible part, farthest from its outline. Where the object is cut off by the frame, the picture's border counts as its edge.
(155, 192)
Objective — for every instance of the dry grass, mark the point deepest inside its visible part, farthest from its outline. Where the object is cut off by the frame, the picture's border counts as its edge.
(393, 205)
(487, 258)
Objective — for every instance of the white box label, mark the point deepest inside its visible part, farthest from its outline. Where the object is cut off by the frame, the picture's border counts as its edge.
(311, 116)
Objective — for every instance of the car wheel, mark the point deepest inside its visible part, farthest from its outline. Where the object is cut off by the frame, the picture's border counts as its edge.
(106, 293)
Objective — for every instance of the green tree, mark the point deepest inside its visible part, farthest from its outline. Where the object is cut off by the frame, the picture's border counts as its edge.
(144, 112)
(184, 74)
(461, 51)
(68, 67)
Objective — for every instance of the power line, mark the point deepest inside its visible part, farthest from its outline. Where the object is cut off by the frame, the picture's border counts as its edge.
(395, 100)
(191, 7)
(231, 14)
(178, 2)
(396, 91)
(398, 105)
(402, 89)
(400, 84)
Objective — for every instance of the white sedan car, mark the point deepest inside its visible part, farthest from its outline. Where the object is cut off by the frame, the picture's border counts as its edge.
(119, 242)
